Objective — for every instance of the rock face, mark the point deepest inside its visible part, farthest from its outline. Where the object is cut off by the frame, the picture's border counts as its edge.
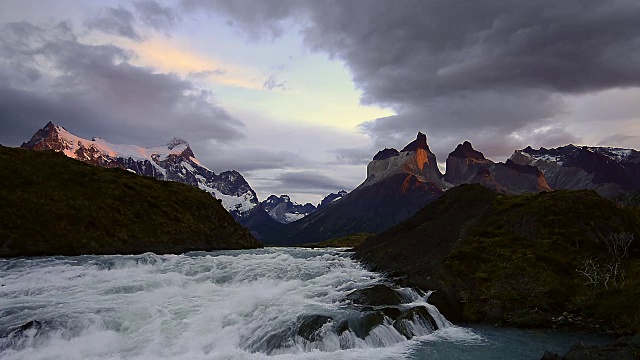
(398, 184)
(414, 161)
(331, 198)
(609, 171)
(465, 165)
(173, 162)
(54, 205)
(283, 210)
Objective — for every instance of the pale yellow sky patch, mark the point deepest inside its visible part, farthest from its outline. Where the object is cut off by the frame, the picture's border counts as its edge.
(337, 110)
(324, 96)
(321, 93)
(170, 56)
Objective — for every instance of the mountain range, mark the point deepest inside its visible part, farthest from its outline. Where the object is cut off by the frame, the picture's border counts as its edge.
(398, 183)
(283, 210)
(607, 170)
(174, 161)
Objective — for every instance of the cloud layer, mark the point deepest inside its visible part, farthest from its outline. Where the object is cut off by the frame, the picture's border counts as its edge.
(464, 68)
(49, 75)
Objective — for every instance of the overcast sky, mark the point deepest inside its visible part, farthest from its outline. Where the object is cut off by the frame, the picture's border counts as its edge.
(299, 95)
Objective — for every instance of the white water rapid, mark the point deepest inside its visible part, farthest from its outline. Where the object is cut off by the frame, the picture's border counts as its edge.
(262, 304)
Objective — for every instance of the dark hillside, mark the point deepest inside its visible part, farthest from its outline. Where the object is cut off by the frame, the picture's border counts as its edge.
(53, 205)
(523, 260)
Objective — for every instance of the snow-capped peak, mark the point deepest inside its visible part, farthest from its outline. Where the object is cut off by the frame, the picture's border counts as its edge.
(561, 154)
(174, 161)
(176, 141)
(616, 154)
(282, 209)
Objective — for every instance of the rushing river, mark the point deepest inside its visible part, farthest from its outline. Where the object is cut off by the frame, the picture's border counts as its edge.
(225, 305)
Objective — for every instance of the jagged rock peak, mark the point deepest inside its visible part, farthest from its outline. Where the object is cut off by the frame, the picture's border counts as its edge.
(331, 198)
(51, 127)
(283, 210)
(176, 141)
(466, 151)
(279, 199)
(385, 154)
(419, 143)
(271, 198)
(41, 135)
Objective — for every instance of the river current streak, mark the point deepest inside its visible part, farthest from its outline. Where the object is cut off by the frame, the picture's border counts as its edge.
(196, 306)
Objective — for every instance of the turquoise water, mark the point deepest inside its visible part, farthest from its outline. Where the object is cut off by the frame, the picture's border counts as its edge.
(499, 343)
(225, 305)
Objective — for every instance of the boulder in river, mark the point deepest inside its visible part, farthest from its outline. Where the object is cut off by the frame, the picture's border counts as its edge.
(376, 295)
(310, 325)
(405, 323)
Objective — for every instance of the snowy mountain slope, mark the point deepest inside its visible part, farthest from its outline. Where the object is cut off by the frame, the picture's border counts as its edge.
(174, 161)
(286, 211)
(607, 170)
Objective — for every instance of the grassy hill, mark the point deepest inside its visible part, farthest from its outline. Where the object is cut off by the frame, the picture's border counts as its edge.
(53, 205)
(522, 260)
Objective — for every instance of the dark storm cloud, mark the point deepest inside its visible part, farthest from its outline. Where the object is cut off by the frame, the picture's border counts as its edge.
(405, 52)
(94, 90)
(433, 47)
(161, 18)
(258, 19)
(463, 66)
(115, 21)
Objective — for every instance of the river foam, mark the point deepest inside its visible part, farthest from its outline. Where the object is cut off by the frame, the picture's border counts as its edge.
(228, 305)
(197, 306)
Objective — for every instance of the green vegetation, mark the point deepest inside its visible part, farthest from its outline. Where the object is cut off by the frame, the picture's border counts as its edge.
(53, 205)
(526, 262)
(547, 259)
(352, 240)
